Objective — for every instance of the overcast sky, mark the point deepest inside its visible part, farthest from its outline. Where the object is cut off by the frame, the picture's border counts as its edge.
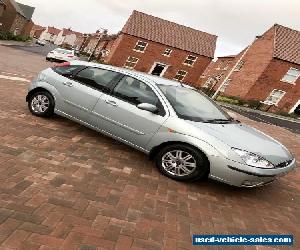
(235, 22)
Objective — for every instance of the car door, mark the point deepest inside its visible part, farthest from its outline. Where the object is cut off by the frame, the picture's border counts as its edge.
(80, 92)
(118, 114)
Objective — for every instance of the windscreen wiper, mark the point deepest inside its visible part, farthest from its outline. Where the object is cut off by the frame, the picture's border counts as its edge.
(219, 120)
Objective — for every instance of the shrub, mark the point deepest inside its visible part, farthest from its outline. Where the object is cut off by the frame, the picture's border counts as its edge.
(5, 35)
(238, 101)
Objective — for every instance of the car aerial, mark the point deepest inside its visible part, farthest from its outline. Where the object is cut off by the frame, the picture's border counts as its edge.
(187, 134)
(61, 55)
(40, 42)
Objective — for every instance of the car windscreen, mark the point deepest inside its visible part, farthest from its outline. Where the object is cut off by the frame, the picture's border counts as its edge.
(189, 104)
(63, 51)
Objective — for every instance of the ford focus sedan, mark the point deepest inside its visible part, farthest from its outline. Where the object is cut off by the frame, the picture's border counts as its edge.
(188, 136)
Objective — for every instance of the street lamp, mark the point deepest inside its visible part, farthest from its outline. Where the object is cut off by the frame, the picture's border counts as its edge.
(101, 35)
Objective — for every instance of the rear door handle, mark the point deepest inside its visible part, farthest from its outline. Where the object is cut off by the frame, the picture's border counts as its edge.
(69, 84)
(109, 102)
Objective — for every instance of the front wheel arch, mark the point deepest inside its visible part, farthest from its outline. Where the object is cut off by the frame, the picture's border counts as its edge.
(155, 154)
(154, 151)
(38, 89)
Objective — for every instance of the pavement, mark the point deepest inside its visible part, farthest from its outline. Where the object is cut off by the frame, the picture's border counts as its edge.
(64, 186)
(268, 118)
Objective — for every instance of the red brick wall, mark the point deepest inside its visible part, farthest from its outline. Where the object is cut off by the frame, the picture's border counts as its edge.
(271, 79)
(123, 47)
(256, 60)
(27, 28)
(8, 17)
(215, 69)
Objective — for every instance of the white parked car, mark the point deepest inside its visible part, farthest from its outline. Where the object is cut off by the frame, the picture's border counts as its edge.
(40, 42)
(62, 55)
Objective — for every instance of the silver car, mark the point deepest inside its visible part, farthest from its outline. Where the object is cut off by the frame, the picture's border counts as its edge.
(187, 135)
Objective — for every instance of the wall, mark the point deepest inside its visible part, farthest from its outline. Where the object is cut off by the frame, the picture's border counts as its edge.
(8, 17)
(271, 79)
(123, 47)
(256, 60)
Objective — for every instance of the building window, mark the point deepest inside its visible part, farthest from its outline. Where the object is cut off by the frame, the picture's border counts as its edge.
(275, 97)
(167, 52)
(131, 62)
(218, 77)
(140, 46)
(210, 82)
(190, 60)
(225, 85)
(181, 74)
(291, 76)
(239, 66)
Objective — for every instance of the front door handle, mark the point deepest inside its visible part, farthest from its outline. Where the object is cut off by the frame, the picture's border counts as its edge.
(109, 102)
(69, 84)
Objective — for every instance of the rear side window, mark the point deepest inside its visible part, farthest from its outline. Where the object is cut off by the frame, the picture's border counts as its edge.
(100, 79)
(66, 71)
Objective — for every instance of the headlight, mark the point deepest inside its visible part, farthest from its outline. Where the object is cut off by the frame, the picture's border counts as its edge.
(253, 159)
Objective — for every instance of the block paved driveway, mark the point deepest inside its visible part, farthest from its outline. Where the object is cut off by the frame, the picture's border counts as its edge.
(63, 186)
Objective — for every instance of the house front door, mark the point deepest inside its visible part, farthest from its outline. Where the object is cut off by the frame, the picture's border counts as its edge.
(158, 69)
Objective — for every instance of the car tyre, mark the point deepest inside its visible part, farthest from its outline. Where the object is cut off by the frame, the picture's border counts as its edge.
(41, 104)
(182, 162)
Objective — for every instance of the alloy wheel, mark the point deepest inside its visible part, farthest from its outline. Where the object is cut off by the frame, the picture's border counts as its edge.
(40, 103)
(179, 163)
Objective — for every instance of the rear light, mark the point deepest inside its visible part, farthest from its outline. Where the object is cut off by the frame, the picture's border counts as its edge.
(64, 64)
(70, 56)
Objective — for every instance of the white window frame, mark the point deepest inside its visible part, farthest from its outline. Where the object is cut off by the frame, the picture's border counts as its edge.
(177, 74)
(193, 60)
(137, 45)
(164, 70)
(167, 52)
(239, 66)
(128, 61)
(210, 82)
(289, 74)
(272, 94)
(225, 85)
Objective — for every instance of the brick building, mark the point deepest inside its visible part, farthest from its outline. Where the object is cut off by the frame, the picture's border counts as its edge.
(36, 30)
(159, 47)
(67, 37)
(269, 71)
(50, 34)
(16, 17)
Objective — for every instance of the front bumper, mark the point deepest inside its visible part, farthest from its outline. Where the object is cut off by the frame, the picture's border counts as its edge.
(242, 175)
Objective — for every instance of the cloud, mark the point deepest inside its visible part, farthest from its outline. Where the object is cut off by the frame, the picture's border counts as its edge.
(236, 22)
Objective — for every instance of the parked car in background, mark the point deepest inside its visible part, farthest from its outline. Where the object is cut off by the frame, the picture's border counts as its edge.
(61, 55)
(187, 134)
(40, 42)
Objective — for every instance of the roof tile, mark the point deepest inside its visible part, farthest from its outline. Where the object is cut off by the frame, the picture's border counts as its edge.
(169, 33)
(287, 44)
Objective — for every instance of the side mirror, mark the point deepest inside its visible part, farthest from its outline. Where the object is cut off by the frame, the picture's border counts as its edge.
(148, 107)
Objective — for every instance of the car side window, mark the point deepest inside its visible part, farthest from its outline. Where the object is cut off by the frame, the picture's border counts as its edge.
(66, 71)
(136, 92)
(100, 79)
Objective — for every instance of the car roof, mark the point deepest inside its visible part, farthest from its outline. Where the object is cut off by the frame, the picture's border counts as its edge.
(157, 80)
